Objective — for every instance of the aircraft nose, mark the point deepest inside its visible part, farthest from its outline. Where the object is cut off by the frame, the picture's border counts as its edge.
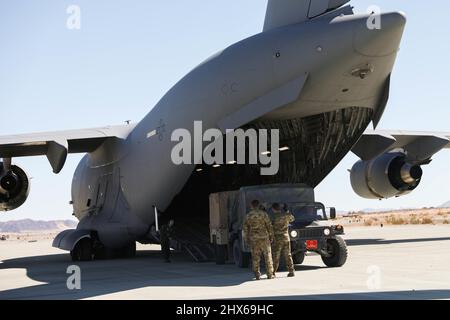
(379, 35)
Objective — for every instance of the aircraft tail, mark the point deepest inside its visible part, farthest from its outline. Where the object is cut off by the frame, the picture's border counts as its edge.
(285, 12)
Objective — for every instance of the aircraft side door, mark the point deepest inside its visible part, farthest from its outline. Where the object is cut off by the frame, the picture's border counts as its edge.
(101, 192)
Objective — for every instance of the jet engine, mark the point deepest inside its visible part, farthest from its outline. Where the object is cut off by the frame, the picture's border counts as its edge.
(389, 175)
(14, 186)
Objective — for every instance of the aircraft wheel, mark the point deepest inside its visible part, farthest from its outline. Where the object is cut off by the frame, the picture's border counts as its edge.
(337, 253)
(74, 255)
(130, 250)
(83, 250)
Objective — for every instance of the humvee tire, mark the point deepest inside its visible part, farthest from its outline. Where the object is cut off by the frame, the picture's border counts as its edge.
(298, 258)
(337, 249)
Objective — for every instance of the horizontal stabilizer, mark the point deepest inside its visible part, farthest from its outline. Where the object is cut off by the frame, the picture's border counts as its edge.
(286, 12)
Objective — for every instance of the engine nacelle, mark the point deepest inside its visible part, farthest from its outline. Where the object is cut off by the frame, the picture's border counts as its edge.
(14, 187)
(389, 175)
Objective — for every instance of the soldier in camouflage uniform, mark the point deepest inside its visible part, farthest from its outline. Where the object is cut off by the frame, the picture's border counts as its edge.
(258, 233)
(282, 243)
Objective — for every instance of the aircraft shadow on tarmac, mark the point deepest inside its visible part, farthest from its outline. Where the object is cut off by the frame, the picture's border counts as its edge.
(147, 270)
(111, 276)
(383, 295)
(362, 242)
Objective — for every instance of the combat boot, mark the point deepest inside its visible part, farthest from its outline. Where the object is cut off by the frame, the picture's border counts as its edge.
(291, 274)
(257, 276)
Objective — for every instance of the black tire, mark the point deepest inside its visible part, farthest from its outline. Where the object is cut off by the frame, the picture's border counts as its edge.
(74, 255)
(103, 254)
(241, 259)
(298, 258)
(83, 250)
(130, 250)
(337, 249)
(221, 253)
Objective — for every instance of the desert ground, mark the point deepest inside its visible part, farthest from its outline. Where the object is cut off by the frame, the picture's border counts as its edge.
(393, 262)
(425, 216)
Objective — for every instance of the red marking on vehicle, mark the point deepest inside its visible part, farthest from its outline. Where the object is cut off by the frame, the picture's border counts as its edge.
(311, 244)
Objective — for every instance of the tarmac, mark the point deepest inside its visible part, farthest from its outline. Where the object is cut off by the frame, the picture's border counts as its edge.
(395, 262)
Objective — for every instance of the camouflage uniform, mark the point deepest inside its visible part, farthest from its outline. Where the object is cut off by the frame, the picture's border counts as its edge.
(282, 243)
(258, 233)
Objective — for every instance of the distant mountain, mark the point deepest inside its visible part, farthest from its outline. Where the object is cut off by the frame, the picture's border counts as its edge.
(364, 211)
(373, 210)
(28, 225)
(445, 205)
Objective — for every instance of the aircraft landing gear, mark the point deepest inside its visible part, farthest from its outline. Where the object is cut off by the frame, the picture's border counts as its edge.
(129, 251)
(83, 250)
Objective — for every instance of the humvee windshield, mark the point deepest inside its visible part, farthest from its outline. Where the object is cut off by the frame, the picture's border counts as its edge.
(307, 212)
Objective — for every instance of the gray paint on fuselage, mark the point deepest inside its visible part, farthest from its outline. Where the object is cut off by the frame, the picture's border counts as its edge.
(220, 87)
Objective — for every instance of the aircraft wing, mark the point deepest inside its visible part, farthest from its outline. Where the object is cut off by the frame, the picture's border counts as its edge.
(56, 145)
(420, 146)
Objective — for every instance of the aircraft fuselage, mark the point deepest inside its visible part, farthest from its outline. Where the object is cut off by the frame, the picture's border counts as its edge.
(346, 65)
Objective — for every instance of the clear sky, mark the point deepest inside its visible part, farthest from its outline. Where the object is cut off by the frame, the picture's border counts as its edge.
(127, 54)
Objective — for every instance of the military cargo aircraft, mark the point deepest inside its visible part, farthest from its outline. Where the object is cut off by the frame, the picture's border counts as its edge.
(317, 72)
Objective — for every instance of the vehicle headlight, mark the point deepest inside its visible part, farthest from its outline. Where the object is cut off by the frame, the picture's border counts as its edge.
(326, 232)
(294, 234)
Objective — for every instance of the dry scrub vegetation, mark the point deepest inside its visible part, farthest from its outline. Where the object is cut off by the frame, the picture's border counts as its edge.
(426, 216)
